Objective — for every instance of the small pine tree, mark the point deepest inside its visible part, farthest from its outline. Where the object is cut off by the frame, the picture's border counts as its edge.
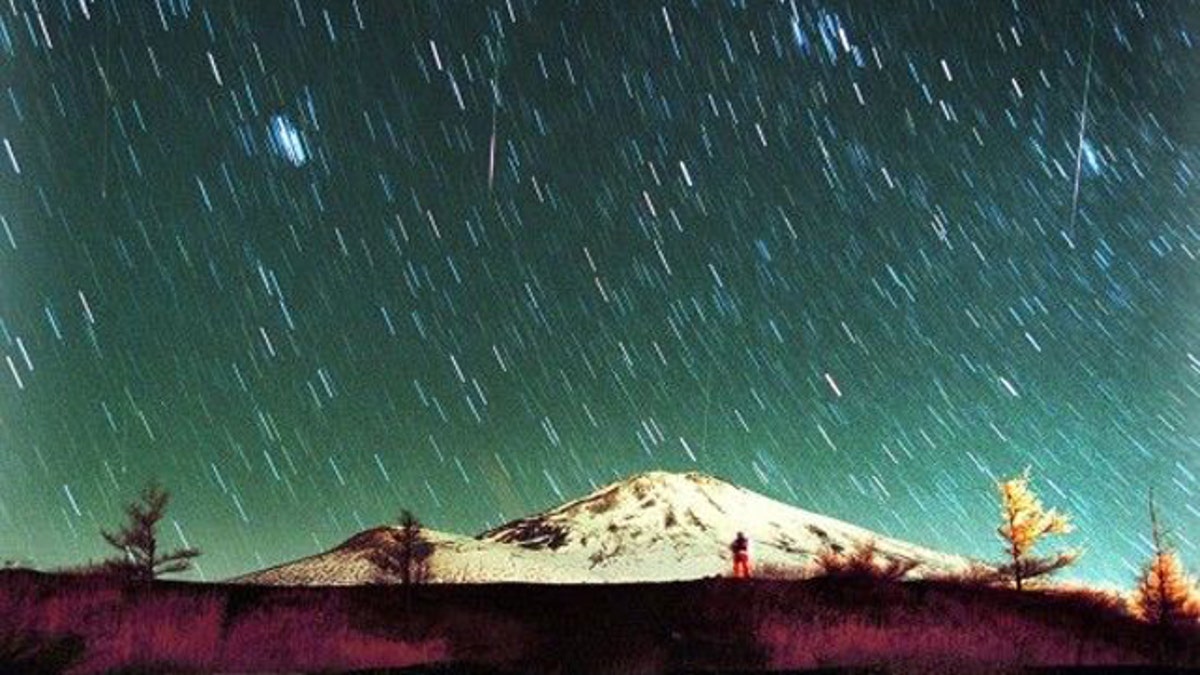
(1025, 523)
(406, 557)
(1165, 596)
(137, 540)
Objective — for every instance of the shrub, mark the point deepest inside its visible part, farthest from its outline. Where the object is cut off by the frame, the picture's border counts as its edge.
(780, 572)
(863, 562)
(974, 574)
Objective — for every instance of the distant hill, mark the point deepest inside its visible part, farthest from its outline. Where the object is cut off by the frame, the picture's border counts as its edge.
(655, 526)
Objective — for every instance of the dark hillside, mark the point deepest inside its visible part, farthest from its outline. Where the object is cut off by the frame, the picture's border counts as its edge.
(52, 623)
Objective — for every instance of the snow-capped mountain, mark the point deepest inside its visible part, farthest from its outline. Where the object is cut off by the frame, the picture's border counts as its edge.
(664, 526)
(654, 526)
(455, 558)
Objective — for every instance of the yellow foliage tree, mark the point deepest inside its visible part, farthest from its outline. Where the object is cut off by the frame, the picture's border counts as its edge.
(1025, 522)
(1165, 595)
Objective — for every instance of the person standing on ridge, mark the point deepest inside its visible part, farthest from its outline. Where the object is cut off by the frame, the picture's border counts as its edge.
(741, 556)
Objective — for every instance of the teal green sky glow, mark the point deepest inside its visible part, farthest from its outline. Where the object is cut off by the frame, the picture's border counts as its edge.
(861, 257)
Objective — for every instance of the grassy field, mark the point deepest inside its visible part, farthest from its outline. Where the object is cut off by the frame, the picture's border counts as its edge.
(79, 624)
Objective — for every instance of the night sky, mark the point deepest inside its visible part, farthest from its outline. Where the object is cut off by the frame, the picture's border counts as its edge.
(306, 263)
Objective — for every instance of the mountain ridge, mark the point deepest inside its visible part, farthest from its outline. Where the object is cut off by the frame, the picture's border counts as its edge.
(651, 526)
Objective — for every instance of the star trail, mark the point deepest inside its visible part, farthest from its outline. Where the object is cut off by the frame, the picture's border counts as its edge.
(307, 263)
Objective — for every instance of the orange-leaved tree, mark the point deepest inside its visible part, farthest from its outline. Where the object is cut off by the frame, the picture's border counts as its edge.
(1025, 522)
(1165, 595)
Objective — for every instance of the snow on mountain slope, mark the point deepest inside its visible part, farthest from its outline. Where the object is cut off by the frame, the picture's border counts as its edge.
(654, 526)
(663, 526)
(455, 559)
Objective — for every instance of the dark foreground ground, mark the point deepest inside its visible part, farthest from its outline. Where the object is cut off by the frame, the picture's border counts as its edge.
(51, 624)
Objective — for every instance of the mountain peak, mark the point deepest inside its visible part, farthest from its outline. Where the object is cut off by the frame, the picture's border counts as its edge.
(670, 484)
(657, 522)
(638, 492)
(660, 477)
(650, 526)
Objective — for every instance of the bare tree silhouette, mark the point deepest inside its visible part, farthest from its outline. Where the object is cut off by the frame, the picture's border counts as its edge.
(406, 556)
(137, 540)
